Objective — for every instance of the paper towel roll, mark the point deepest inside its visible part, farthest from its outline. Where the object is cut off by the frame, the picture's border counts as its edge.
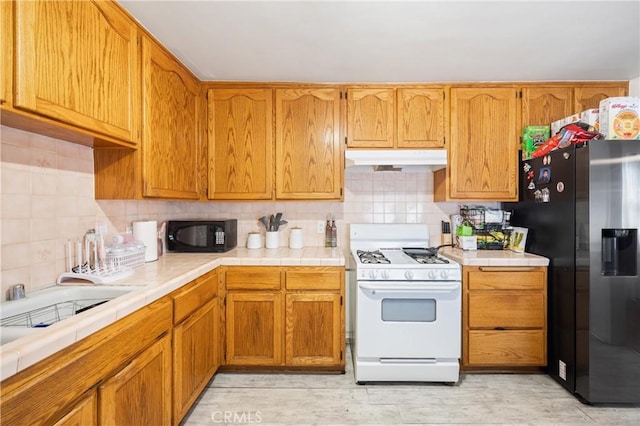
(147, 232)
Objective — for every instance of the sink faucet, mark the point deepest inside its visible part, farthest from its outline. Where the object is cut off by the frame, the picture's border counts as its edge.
(16, 292)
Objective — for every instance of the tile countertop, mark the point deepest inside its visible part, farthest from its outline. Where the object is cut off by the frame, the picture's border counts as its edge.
(493, 257)
(151, 281)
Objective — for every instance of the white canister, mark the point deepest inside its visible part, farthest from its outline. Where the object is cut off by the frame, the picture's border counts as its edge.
(296, 238)
(147, 232)
(254, 240)
(272, 240)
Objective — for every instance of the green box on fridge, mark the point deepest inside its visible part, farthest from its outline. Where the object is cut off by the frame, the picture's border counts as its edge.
(532, 138)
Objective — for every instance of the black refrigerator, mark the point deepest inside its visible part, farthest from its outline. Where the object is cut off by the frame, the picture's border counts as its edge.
(581, 207)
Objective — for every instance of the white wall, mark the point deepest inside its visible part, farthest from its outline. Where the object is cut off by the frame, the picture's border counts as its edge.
(634, 87)
(47, 194)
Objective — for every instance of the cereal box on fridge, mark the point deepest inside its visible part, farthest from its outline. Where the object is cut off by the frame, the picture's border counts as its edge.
(591, 117)
(620, 118)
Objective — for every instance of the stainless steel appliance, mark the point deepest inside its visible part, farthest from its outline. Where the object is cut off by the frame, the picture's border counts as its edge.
(581, 206)
(202, 235)
(407, 306)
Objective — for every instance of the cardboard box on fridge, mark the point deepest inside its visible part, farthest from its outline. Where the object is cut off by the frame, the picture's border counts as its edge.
(559, 124)
(620, 118)
(591, 117)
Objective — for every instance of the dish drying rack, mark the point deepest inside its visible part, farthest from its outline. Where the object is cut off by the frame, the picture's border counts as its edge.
(44, 317)
(118, 264)
(490, 235)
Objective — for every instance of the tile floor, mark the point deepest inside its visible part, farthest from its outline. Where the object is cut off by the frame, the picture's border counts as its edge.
(297, 399)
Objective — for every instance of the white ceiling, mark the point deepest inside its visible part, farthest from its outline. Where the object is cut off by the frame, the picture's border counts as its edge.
(397, 41)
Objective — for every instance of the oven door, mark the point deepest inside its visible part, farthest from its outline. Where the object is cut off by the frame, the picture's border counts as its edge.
(408, 320)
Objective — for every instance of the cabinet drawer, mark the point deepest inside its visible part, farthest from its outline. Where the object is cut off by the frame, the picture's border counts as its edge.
(506, 278)
(253, 278)
(509, 310)
(507, 347)
(314, 279)
(194, 295)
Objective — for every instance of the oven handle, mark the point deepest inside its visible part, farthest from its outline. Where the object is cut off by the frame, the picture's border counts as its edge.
(439, 288)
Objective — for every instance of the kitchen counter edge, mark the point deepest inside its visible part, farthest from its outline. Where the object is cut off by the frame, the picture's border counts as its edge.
(153, 281)
(493, 257)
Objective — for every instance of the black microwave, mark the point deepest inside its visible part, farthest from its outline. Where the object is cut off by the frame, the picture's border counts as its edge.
(202, 236)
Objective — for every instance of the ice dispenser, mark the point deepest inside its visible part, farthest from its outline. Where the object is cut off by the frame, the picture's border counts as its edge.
(620, 252)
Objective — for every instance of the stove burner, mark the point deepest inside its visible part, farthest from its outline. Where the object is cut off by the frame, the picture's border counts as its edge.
(425, 255)
(373, 257)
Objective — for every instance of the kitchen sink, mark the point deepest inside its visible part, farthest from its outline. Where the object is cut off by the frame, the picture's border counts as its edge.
(48, 306)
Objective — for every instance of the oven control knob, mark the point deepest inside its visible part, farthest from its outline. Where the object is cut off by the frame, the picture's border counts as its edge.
(408, 275)
(444, 274)
(373, 273)
(385, 274)
(432, 275)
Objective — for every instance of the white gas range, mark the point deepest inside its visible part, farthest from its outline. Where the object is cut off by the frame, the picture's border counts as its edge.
(407, 306)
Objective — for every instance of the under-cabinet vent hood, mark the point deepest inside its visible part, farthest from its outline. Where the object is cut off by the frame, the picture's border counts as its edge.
(395, 159)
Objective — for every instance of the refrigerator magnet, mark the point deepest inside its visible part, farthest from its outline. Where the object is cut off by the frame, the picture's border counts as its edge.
(530, 175)
(545, 175)
(531, 185)
(546, 195)
(566, 155)
(526, 167)
(560, 186)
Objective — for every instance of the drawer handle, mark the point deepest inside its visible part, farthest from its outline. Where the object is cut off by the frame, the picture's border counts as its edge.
(499, 328)
(507, 268)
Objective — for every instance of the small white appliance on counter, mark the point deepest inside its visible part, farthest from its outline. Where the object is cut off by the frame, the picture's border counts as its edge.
(406, 312)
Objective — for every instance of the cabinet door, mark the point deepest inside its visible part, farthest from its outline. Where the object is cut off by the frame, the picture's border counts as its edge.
(421, 118)
(171, 138)
(140, 394)
(195, 347)
(78, 62)
(6, 50)
(314, 329)
(240, 144)
(588, 97)
(542, 105)
(370, 117)
(84, 413)
(254, 328)
(308, 152)
(484, 144)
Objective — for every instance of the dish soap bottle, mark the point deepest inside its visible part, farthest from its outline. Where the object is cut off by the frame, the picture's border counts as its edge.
(334, 234)
(327, 234)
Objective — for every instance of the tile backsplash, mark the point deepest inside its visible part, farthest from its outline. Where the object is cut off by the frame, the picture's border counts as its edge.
(48, 198)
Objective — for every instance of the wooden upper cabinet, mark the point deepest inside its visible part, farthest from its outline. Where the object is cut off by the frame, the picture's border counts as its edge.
(484, 144)
(6, 50)
(421, 118)
(395, 118)
(240, 144)
(543, 105)
(171, 138)
(308, 151)
(587, 97)
(370, 117)
(78, 62)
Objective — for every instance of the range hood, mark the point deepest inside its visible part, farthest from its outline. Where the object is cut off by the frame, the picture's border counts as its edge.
(394, 159)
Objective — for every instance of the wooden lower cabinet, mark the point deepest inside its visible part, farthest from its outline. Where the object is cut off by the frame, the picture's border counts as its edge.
(138, 343)
(195, 348)
(294, 317)
(254, 328)
(140, 394)
(85, 412)
(504, 317)
(313, 332)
